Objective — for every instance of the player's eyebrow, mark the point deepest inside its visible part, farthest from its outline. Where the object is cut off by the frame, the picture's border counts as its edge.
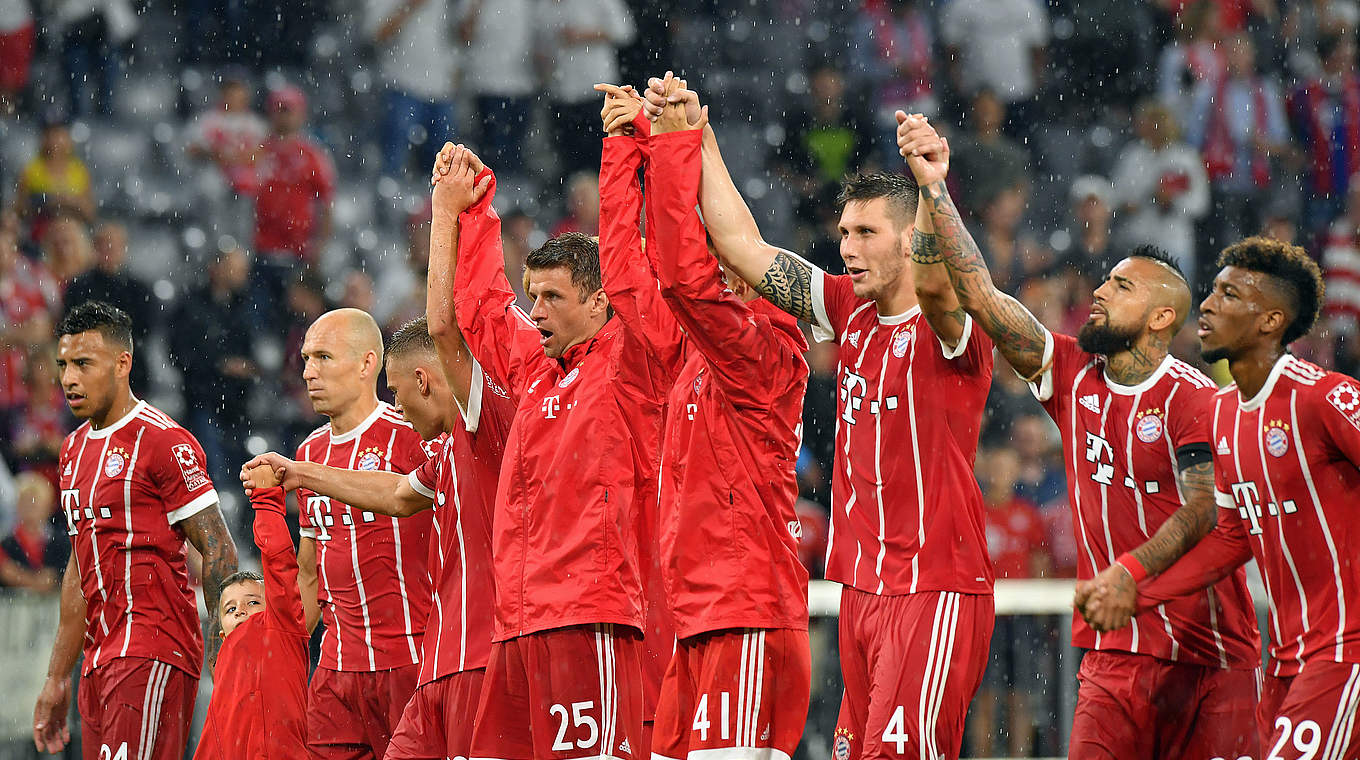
(1121, 279)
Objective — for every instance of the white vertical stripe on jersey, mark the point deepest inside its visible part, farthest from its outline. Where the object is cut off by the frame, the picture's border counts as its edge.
(155, 725)
(1078, 444)
(849, 463)
(916, 460)
(127, 542)
(760, 688)
(333, 624)
(401, 573)
(935, 698)
(1347, 731)
(1105, 510)
(1260, 537)
(928, 677)
(354, 558)
(1279, 526)
(462, 559)
(1180, 498)
(1128, 455)
(151, 708)
(878, 464)
(94, 547)
(434, 582)
(1345, 707)
(1322, 522)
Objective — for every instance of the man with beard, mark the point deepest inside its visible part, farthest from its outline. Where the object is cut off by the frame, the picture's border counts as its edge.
(1179, 682)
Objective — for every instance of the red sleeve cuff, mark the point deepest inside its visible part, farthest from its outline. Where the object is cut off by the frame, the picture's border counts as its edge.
(1133, 566)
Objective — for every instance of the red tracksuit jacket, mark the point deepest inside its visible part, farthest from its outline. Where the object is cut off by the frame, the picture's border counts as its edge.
(259, 692)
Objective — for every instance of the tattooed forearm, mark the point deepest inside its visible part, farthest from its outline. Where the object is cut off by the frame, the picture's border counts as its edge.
(1187, 525)
(208, 533)
(1016, 332)
(788, 285)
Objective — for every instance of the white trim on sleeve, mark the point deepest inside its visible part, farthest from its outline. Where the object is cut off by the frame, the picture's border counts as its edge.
(1224, 500)
(962, 345)
(472, 415)
(307, 533)
(1042, 388)
(414, 480)
(822, 331)
(200, 503)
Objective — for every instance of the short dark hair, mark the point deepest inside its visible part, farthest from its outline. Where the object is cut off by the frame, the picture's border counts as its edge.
(575, 251)
(1291, 269)
(111, 322)
(410, 338)
(1158, 255)
(899, 189)
(238, 577)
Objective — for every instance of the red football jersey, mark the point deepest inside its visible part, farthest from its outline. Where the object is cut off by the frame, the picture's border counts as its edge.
(1120, 446)
(1295, 493)
(1014, 531)
(372, 579)
(906, 512)
(124, 489)
(461, 479)
(293, 175)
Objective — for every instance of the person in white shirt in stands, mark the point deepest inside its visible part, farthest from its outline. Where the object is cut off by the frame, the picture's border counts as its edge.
(500, 75)
(417, 86)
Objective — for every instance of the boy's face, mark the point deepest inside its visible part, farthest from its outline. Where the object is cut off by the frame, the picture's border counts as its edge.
(240, 601)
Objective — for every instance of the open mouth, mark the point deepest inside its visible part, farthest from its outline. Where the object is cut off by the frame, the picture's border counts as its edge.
(856, 273)
(1204, 328)
(544, 336)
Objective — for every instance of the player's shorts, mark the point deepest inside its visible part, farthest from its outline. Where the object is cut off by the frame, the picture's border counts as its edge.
(1137, 707)
(571, 692)
(351, 715)
(437, 721)
(741, 688)
(911, 664)
(1313, 714)
(133, 707)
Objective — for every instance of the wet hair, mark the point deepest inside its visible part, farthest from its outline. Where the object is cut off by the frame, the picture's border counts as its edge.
(575, 251)
(240, 576)
(111, 322)
(1292, 271)
(900, 190)
(412, 337)
(1157, 254)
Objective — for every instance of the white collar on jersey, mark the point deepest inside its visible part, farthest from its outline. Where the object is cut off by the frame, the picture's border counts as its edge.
(898, 319)
(105, 432)
(1255, 402)
(1143, 387)
(362, 426)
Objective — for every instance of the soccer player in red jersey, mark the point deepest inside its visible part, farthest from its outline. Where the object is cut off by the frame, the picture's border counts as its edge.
(134, 487)
(907, 528)
(1286, 442)
(261, 674)
(565, 673)
(1180, 682)
(367, 571)
(740, 676)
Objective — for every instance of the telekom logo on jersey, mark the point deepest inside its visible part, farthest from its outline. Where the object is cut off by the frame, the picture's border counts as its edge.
(1248, 498)
(853, 390)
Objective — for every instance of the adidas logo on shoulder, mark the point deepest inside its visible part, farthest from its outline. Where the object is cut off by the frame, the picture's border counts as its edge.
(1223, 446)
(854, 338)
(1090, 401)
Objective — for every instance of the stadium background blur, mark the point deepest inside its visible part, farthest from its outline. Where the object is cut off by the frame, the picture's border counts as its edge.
(1079, 129)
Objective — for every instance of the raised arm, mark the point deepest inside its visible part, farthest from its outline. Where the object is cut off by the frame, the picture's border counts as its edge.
(384, 493)
(941, 238)
(454, 192)
(282, 595)
(208, 533)
(50, 732)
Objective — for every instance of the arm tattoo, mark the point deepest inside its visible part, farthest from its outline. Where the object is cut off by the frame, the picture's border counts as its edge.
(1187, 525)
(788, 285)
(1006, 321)
(208, 533)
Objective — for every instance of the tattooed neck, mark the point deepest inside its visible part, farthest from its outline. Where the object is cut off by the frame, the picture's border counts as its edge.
(1137, 364)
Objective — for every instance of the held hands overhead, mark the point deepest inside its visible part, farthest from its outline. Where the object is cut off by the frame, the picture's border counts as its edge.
(454, 180)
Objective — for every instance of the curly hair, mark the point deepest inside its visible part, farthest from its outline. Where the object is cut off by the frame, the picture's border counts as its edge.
(1292, 271)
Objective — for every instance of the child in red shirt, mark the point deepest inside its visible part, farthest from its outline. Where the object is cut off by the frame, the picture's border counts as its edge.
(259, 686)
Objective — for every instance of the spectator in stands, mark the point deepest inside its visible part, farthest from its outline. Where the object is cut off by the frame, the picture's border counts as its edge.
(583, 205)
(43, 421)
(1192, 58)
(417, 65)
(227, 137)
(212, 345)
(1107, 56)
(499, 73)
(987, 162)
(826, 136)
(28, 301)
(1043, 484)
(819, 418)
(998, 45)
(33, 555)
(95, 35)
(1238, 123)
(111, 282)
(16, 52)
(296, 180)
(894, 58)
(67, 251)
(815, 524)
(519, 236)
(579, 40)
(1160, 186)
(399, 295)
(1012, 253)
(306, 301)
(356, 291)
(54, 183)
(1325, 116)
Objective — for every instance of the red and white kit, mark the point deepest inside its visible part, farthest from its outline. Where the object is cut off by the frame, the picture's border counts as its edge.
(729, 544)
(373, 586)
(461, 481)
(124, 490)
(1123, 447)
(906, 518)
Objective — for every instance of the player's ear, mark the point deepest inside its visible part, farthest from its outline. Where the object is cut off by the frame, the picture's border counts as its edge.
(123, 363)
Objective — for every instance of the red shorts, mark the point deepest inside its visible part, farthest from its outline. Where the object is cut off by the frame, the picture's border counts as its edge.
(1313, 714)
(911, 665)
(351, 715)
(739, 688)
(135, 708)
(1136, 707)
(565, 693)
(437, 722)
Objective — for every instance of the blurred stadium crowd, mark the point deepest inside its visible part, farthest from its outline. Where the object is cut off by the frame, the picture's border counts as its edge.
(227, 170)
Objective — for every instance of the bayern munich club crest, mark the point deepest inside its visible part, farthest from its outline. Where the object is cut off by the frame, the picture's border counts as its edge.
(840, 747)
(570, 378)
(369, 460)
(901, 342)
(1277, 438)
(1149, 425)
(115, 462)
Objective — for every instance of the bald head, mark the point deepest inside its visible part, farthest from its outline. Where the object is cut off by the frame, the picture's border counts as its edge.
(354, 329)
